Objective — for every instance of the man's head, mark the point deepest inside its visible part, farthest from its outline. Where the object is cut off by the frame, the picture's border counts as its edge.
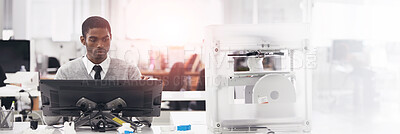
(96, 36)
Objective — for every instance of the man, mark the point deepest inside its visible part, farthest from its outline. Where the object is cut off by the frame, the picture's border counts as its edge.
(96, 63)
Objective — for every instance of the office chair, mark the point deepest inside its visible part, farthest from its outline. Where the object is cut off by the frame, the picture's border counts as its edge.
(201, 86)
(175, 79)
(175, 82)
(53, 65)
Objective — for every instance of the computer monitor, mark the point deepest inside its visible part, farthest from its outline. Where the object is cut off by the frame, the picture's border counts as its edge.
(2, 77)
(142, 97)
(14, 54)
(341, 49)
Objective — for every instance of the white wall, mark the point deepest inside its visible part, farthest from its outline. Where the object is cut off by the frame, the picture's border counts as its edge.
(361, 91)
(264, 11)
(1, 18)
(151, 26)
(41, 19)
(20, 19)
(172, 22)
(61, 20)
(55, 26)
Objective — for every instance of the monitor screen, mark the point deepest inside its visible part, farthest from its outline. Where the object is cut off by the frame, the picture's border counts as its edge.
(142, 97)
(341, 49)
(14, 54)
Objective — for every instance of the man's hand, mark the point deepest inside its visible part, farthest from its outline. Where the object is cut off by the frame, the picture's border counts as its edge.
(144, 77)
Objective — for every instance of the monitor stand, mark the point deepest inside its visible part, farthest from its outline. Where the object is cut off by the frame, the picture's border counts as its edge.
(101, 119)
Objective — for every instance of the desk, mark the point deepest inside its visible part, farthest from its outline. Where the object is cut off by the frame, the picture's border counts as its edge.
(183, 96)
(13, 91)
(165, 73)
(197, 120)
(158, 73)
(23, 127)
(48, 77)
(161, 75)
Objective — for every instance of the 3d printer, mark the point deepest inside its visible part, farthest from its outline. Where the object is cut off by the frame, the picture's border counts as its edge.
(257, 100)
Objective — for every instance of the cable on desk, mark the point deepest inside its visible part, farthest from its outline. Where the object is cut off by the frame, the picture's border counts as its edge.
(40, 117)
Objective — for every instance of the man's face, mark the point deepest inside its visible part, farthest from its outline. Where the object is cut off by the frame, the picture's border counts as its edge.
(97, 42)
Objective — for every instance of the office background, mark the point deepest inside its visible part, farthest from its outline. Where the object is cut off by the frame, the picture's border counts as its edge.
(355, 80)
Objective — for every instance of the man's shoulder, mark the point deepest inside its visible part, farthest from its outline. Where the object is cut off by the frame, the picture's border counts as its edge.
(122, 70)
(72, 64)
(121, 63)
(69, 68)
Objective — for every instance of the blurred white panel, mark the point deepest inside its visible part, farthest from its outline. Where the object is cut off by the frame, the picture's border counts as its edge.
(275, 11)
(238, 11)
(41, 18)
(360, 88)
(384, 25)
(339, 21)
(173, 22)
(62, 20)
(343, 1)
(290, 35)
(1, 18)
(20, 18)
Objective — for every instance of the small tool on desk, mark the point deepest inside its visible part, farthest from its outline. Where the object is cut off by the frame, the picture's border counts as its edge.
(33, 124)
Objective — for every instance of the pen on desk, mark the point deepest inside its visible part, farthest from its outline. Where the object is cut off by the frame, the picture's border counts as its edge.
(12, 105)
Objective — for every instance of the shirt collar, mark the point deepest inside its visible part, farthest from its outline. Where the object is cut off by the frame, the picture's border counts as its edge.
(89, 64)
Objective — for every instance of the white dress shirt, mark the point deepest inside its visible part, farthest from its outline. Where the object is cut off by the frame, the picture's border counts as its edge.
(89, 66)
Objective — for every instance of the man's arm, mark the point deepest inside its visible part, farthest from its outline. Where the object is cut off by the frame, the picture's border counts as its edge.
(134, 73)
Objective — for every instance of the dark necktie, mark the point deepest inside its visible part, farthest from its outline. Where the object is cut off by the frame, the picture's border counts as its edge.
(97, 69)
